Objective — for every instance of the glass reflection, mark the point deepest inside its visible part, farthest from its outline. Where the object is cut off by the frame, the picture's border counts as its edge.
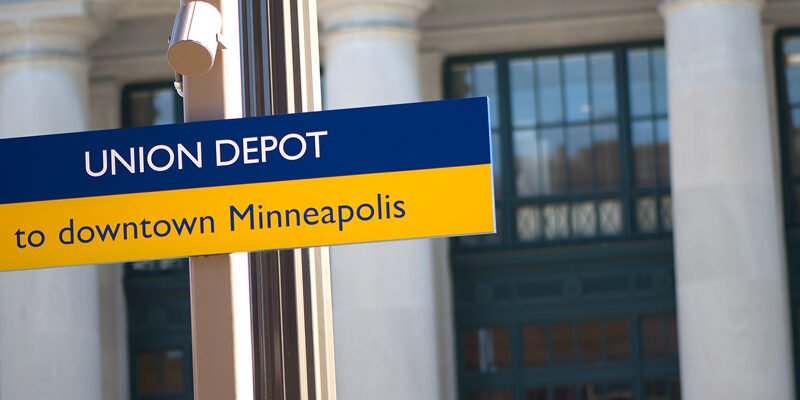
(548, 72)
(554, 174)
(523, 103)
(576, 88)
(639, 83)
(579, 153)
(486, 349)
(606, 153)
(604, 92)
(527, 163)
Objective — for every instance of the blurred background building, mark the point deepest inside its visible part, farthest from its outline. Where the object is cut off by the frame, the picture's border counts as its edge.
(647, 244)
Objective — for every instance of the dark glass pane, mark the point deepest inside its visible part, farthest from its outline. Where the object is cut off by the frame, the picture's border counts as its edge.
(147, 373)
(662, 149)
(497, 163)
(484, 82)
(656, 390)
(534, 343)
(618, 344)
(564, 393)
(794, 140)
(619, 391)
(460, 81)
(472, 351)
(141, 108)
(173, 371)
(577, 88)
(562, 342)
(590, 340)
(792, 79)
(653, 336)
(794, 149)
(644, 162)
(523, 103)
(593, 391)
(675, 389)
(527, 162)
(795, 118)
(501, 345)
(672, 334)
(164, 105)
(604, 86)
(491, 395)
(478, 396)
(796, 193)
(791, 45)
(553, 154)
(501, 395)
(659, 68)
(606, 153)
(153, 106)
(548, 71)
(639, 82)
(579, 152)
(487, 349)
(537, 394)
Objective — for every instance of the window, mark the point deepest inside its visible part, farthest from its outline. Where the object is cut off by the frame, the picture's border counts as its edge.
(565, 301)
(149, 104)
(159, 329)
(577, 359)
(580, 143)
(157, 291)
(787, 63)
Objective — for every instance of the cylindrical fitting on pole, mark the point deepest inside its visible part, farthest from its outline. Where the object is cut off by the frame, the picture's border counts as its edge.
(194, 40)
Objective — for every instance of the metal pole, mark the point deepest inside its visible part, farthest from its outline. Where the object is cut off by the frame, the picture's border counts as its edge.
(291, 299)
(219, 284)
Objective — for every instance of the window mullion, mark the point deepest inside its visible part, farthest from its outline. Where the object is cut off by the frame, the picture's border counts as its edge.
(564, 130)
(654, 135)
(507, 168)
(626, 150)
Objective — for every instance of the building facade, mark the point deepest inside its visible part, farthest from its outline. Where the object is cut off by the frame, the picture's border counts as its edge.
(647, 183)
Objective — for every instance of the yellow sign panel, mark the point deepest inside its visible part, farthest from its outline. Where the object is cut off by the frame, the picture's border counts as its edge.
(138, 194)
(360, 208)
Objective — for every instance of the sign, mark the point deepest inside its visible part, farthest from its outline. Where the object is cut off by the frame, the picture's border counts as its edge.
(285, 181)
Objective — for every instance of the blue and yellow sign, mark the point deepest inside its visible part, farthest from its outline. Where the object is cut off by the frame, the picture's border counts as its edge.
(324, 178)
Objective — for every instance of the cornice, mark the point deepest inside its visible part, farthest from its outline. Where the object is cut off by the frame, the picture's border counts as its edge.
(348, 15)
(58, 37)
(669, 6)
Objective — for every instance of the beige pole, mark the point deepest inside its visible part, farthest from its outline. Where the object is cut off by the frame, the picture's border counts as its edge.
(219, 284)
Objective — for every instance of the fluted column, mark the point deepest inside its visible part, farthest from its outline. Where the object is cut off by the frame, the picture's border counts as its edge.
(383, 294)
(49, 330)
(733, 309)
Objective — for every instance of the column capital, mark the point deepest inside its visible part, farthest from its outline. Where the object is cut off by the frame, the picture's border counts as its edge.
(668, 6)
(55, 29)
(47, 39)
(344, 15)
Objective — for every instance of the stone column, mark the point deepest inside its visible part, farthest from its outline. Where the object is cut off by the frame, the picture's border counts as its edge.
(383, 294)
(733, 306)
(49, 331)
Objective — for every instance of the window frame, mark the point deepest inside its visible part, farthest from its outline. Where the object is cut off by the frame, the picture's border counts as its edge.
(127, 90)
(160, 287)
(791, 213)
(507, 203)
